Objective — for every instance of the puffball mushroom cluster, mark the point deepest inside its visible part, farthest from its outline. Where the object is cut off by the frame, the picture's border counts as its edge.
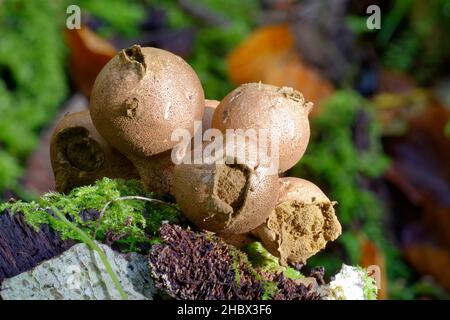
(142, 95)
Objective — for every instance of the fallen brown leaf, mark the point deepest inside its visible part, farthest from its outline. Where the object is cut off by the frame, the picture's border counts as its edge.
(269, 56)
(372, 256)
(432, 260)
(88, 54)
(421, 169)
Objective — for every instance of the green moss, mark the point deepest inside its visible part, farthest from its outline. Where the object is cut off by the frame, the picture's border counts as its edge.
(370, 288)
(33, 61)
(270, 290)
(261, 259)
(32, 79)
(242, 258)
(135, 221)
(236, 268)
(404, 41)
(121, 16)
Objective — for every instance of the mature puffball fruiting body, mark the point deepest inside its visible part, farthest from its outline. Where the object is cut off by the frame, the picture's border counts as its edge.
(80, 156)
(227, 198)
(301, 224)
(223, 198)
(141, 97)
(281, 111)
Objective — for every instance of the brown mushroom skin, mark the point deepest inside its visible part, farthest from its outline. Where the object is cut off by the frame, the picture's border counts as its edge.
(141, 96)
(281, 111)
(80, 156)
(210, 108)
(301, 224)
(139, 99)
(225, 198)
(156, 172)
(301, 190)
(239, 241)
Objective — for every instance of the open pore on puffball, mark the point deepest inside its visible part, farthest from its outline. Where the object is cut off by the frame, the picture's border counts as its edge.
(302, 229)
(230, 185)
(226, 199)
(80, 156)
(79, 150)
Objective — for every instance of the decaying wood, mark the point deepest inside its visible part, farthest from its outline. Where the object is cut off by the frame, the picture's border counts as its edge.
(22, 248)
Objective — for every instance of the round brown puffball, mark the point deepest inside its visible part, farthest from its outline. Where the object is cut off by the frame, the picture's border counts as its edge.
(157, 171)
(80, 156)
(283, 112)
(300, 190)
(141, 97)
(231, 197)
(301, 224)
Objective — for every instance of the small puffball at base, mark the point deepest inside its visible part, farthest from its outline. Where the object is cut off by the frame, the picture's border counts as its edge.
(301, 224)
(300, 230)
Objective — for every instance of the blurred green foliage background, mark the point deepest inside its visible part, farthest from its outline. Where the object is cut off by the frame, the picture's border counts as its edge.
(34, 82)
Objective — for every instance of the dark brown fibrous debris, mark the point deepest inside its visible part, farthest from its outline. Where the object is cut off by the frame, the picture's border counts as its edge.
(318, 273)
(198, 266)
(190, 266)
(22, 248)
(289, 290)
